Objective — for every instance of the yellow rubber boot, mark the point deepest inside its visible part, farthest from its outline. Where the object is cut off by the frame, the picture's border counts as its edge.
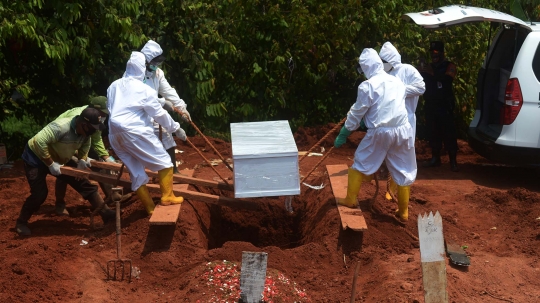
(144, 196)
(403, 202)
(391, 188)
(166, 185)
(354, 182)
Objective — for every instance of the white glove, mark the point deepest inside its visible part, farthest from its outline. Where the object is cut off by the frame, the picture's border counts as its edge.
(161, 101)
(54, 168)
(84, 164)
(110, 159)
(168, 106)
(185, 114)
(181, 134)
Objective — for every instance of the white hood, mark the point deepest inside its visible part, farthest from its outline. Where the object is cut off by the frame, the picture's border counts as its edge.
(151, 50)
(390, 54)
(135, 66)
(370, 62)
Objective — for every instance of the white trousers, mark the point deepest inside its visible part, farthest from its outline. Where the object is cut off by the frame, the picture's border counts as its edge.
(138, 151)
(395, 145)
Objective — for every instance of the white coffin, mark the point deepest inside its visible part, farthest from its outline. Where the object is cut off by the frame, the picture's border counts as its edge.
(265, 159)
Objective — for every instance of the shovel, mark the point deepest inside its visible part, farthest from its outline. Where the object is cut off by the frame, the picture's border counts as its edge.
(118, 269)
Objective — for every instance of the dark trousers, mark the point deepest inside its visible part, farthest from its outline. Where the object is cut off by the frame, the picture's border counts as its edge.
(36, 177)
(441, 129)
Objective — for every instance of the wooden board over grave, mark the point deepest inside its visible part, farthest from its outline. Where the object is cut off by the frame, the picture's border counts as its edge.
(350, 217)
(168, 215)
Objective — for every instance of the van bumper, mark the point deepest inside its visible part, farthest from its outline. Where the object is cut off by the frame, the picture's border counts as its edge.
(487, 148)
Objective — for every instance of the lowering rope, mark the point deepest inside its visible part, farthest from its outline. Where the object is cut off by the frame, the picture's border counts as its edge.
(206, 140)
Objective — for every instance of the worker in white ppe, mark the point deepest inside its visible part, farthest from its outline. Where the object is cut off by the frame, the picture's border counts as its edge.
(132, 105)
(155, 78)
(381, 103)
(414, 88)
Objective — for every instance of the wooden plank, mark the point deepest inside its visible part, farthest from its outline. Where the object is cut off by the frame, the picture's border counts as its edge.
(434, 281)
(187, 194)
(91, 175)
(350, 217)
(168, 215)
(181, 178)
(210, 199)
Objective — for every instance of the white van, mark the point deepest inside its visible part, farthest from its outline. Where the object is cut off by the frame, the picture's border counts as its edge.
(506, 123)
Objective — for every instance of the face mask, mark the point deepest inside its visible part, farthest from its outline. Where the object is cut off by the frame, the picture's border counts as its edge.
(88, 129)
(387, 66)
(359, 69)
(152, 67)
(435, 56)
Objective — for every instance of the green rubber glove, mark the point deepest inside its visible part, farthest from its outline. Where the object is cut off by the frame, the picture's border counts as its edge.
(363, 126)
(342, 137)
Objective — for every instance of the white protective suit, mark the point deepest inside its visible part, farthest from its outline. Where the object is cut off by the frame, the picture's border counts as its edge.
(381, 102)
(409, 75)
(132, 106)
(156, 80)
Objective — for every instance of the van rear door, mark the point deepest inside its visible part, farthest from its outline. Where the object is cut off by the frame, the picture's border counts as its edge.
(459, 14)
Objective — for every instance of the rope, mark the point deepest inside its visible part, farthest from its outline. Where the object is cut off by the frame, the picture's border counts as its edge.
(199, 152)
(323, 158)
(206, 140)
(323, 138)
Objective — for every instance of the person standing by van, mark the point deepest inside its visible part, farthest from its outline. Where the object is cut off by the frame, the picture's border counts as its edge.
(439, 105)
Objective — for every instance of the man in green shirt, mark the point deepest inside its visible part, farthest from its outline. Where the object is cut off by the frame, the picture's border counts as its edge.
(53, 147)
(97, 150)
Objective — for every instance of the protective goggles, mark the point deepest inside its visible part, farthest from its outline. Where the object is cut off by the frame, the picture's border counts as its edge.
(157, 60)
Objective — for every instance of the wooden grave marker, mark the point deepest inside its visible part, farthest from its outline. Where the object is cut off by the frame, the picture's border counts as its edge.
(432, 256)
(253, 276)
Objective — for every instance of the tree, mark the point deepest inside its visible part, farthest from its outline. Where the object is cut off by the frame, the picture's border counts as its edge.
(55, 53)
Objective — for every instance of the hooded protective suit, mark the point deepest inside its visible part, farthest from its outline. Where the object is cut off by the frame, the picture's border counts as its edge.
(132, 106)
(381, 102)
(414, 82)
(156, 80)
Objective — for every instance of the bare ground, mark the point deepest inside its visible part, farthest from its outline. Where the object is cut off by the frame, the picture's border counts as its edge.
(491, 210)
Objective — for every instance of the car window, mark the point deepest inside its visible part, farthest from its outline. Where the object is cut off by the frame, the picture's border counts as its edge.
(536, 63)
(506, 49)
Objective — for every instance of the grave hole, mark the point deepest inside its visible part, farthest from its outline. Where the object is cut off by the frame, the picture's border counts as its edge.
(270, 226)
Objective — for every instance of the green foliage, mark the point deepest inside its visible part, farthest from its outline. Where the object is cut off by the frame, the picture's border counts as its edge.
(526, 10)
(16, 132)
(256, 60)
(231, 61)
(56, 53)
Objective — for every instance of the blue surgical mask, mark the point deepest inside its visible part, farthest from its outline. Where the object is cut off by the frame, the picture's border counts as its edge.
(152, 67)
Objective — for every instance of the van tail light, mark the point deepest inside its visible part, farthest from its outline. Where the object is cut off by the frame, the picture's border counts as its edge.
(513, 100)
